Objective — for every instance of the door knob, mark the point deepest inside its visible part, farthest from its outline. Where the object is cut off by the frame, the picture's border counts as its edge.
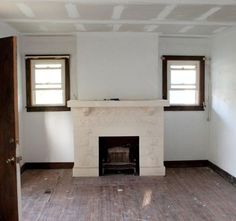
(10, 160)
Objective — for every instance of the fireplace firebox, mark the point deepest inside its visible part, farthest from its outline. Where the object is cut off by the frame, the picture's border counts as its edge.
(119, 155)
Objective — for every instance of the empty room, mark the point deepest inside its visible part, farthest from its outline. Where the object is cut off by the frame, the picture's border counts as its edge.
(118, 110)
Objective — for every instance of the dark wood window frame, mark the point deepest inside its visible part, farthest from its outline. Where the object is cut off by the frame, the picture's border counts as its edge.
(201, 59)
(33, 108)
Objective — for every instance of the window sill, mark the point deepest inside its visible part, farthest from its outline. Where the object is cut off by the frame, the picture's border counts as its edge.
(184, 108)
(46, 108)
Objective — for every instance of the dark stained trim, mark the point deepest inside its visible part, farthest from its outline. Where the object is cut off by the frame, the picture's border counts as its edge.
(46, 165)
(23, 168)
(164, 79)
(46, 56)
(201, 163)
(67, 81)
(222, 173)
(47, 108)
(201, 59)
(28, 82)
(186, 163)
(183, 57)
(168, 164)
(202, 82)
(184, 108)
(29, 106)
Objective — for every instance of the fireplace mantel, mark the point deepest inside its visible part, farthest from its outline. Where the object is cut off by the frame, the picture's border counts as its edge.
(121, 103)
(95, 119)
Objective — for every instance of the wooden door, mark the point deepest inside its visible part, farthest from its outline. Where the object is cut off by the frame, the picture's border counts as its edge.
(8, 128)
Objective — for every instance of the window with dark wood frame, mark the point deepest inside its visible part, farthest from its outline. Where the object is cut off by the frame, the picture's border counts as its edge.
(57, 66)
(198, 105)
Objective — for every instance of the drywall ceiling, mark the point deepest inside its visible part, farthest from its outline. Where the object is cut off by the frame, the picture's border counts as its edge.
(166, 17)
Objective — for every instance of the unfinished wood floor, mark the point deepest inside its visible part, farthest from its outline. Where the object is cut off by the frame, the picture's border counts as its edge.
(184, 194)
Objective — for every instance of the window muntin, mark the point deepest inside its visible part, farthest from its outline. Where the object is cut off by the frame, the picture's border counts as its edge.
(183, 82)
(47, 82)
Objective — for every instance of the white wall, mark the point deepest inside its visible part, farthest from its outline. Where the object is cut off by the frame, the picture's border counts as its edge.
(122, 65)
(109, 65)
(48, 136)
(186, 132)
(223, 125)
(117, 65)
(6, 30)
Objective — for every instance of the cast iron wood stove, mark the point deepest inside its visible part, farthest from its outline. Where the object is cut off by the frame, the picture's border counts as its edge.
(118, 155)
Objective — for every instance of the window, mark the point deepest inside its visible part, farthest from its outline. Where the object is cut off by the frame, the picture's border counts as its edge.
(47, 82)
(183, 82)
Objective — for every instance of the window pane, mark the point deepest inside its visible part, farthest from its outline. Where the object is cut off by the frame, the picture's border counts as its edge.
(182, 86)
(48, 76)
(183, 97)
(49, 97)
(183, 77)
(183, 67)
(48, 86)
(48, 66)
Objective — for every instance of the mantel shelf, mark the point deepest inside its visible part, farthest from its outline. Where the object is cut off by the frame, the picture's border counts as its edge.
(121, 103)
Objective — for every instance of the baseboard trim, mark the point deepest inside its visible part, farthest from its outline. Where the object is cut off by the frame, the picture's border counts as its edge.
(186, 163)
(23, 168)
(222, 173)
(45, 165)
(69, 165)
(167, 164)
(201, 163)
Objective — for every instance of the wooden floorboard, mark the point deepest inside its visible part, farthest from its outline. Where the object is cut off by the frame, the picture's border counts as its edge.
(191, 194)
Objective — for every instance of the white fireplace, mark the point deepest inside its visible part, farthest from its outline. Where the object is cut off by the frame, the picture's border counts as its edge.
(94, 119)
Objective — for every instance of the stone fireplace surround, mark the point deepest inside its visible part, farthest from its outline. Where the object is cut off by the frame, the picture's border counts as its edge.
(94, 119)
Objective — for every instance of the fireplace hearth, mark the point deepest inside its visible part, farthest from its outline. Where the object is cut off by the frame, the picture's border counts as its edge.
(118, 155)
